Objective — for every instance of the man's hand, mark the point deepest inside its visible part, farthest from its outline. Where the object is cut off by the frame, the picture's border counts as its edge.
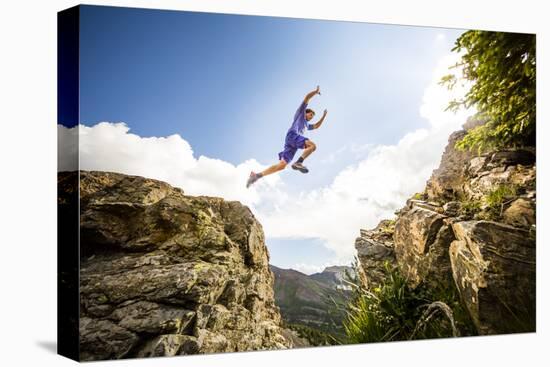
(320, 122)
(311, 94)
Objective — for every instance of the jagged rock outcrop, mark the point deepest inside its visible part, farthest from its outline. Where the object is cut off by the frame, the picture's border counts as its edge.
(494, 268)
(509, 167)
(447, 180)
(375, 248)
(473, 228)
(167, 274)
(449, 177)
(422, 237)
(520, 213)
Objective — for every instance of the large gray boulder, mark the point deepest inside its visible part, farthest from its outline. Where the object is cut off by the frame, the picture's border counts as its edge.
(375, 249)
(520, 213)
(493, 265)
(422, 238)
(166, 274)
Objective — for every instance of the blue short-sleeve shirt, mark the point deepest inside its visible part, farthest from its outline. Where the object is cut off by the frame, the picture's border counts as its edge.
(300, 123)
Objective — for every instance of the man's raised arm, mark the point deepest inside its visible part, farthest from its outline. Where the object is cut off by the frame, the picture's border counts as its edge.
(318, 123)
(311, 94)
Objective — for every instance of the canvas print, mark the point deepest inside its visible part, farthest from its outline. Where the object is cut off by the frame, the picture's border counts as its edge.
(231, 183)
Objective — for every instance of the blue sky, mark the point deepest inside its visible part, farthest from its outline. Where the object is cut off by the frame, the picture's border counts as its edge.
(230, 84)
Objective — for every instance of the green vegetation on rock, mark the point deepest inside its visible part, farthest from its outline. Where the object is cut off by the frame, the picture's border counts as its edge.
(491, 205)
(388, 226)
(395, 311)
(497, 198)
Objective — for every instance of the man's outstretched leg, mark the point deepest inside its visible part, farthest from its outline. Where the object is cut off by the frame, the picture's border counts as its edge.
(274, 168)
(309, 148)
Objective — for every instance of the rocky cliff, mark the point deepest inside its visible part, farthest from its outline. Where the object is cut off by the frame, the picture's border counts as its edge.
(165, 274)
(473, 228)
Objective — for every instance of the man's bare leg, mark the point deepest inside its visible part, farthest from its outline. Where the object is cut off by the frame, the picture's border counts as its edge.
(309, 148)
(274, 168)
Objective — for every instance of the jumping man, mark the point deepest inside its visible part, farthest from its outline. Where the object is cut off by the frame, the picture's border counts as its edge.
(295, 140)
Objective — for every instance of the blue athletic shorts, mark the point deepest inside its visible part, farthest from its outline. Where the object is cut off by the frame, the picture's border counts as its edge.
(293, 142)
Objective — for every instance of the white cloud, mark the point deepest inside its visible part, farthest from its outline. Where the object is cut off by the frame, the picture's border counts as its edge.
(436, 97)
(358, 151)
(111, 147)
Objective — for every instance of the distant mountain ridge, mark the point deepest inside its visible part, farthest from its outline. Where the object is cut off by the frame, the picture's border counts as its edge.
(335, 275)
(311, 300)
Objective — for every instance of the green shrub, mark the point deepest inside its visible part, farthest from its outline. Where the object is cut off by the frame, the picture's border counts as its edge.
(502, 68)
(501, 194)
(496, 199)
(394, 311)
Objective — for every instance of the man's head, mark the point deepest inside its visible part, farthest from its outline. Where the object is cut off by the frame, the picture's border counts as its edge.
(309, 114)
